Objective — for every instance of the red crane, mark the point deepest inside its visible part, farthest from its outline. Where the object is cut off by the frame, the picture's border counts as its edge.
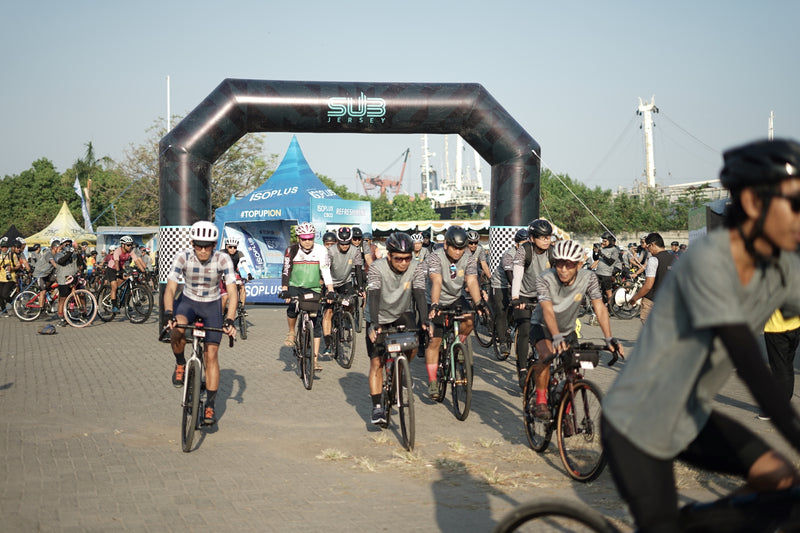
(382, 182)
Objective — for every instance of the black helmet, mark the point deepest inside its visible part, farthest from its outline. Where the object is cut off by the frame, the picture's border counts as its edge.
(607, 235)
(472, 236)
(344, 235)
(521, 236)
(399, 242)
(357, 234)
(540, 228)
(760, 163)
(456, 236)
(329, 237)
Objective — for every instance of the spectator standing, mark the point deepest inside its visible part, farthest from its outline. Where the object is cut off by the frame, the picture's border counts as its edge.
(658, 266)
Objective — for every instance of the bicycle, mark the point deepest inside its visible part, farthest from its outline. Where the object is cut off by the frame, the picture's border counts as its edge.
(307, 308)
(511, 333)
(343, 326)
(133, 296)
(399, 342)
(574, 404)
(80, 306)
(241, 314)
(484, 324)
(758, 512)
(193, 383)
(455, 364)
(625, 281)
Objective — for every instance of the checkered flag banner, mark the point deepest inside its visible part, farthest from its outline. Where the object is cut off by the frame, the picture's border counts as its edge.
(171, 240)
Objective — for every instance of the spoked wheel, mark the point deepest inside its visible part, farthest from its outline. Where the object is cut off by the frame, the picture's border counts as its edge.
(104, 306)
(306, 358)
(484, 328)
(554, 515)
(584, 307)
(498, 352)
(405, 406)
(626, 311)
(357, 313)
(139, 303)
(578, 424)
(23, 303)
(346, 347)
(443, 375)
(80, 308)
(388, 393)
(191, 409)
(538, 431)
(242, 322)
(462, 386)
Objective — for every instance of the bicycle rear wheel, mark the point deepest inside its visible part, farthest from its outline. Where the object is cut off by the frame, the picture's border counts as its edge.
(357, 313)
(405, 405)
(191, 408)
(462, 386)
(139, 304)
(306, 356)
(484, 328)
(22, 304)
(104, 305)
(443, 375)
(242, 320)
(578, 424)
(346, 347)
(554, 515)
(80, 308)
(538, 431)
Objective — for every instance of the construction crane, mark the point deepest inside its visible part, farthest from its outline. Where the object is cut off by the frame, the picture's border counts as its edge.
(382, 182)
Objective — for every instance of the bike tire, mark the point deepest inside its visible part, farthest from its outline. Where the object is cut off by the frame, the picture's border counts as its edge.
(498, 354)
(405, 406)
(21, 309)
(138, 303)
(484, 328)
(242, 323)
(346, 345)
(539, 432)
(357, 313)
(579, 435)
(551, 514)
(104, 305)
(80, 308)
(462, 385)
(442, 375)
(306, 357)
(191, 408)
(584, 307)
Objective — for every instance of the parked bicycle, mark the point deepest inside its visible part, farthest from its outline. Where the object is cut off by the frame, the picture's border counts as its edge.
(343, 329)
(132, 295)
(574, 404)
(455, 364)
(399, 342)
(308, 306)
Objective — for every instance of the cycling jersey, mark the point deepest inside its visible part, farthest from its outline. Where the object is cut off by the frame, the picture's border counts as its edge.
(566, 299)
(395, 289)
(343, 264)
(453, 274)
(201, 279)
(118, 259)
(527, 265)
(303, 268)
(609, 260)
(499, 279)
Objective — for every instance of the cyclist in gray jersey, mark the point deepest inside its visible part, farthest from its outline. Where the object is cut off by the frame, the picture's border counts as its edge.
(477, 251)
(449, 269)
(394, 283)
(420, 252)
(345, 260)
(532, 258)
(500, 284)
(560, 291)
(608, 261)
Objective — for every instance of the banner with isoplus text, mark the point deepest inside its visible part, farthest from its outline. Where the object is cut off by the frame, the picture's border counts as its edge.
(327, 212)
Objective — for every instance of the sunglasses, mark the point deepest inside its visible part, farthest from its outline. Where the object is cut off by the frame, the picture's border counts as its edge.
(401, 258)
(794, 201)
(203, 246)
(452, 271)
(306, 238)
(561, 263)
(229, 247)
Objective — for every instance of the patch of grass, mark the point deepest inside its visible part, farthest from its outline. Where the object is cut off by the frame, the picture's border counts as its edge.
(443, 463)
(410, 457)
(456, 447)
(493, 477)
(381, 438)
(366, 463)
(332, 454)
(490, 443)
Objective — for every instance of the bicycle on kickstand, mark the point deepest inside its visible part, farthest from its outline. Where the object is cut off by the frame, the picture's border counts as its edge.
(574, 404)
(455, 364)
(343, 329)
(752, 513)
(399, 342)
(307, 306)
(194, 384)
(133, 296)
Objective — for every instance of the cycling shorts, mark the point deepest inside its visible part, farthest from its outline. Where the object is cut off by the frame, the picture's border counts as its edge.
(209, 312)
(377, 349)
(113, 274)
(438, 321)
(606, 282)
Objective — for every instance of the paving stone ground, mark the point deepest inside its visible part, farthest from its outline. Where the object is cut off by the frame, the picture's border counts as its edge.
(90, 441)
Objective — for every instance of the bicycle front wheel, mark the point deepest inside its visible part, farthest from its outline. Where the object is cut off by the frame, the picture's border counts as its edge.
(191, 407)
(578, 424)
(139, 304)
(538, 431)
(554, 515)
(22, 306)
(346, 347)
(80, 308)
(484, 328)
(306, 356)
(242, 320)
(104, 306)
(405, 406)
(462, 385)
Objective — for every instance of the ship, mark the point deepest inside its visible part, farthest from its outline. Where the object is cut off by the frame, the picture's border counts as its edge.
(460, 195)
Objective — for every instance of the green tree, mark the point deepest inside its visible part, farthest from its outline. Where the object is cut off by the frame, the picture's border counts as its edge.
(405, 207)
(32, 198)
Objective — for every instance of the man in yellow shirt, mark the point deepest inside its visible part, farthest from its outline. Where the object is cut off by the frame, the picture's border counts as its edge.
(781, 336)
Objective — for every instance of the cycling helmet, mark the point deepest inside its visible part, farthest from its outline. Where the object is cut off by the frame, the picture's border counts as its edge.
(521, 236)
(201, 231)
(344, 235)
(19, 241)
(357, 234)
(760, 163)
(367, 236)
(456, 236)
(329, 236)
(232, 241)
(399, 242)
(540, 228)
(4, 242)
(127, 239)
(568, 250)
(55, 241)
(34, 247)
(472, 236)
(417, 237)
(306, 229)
(607, 235)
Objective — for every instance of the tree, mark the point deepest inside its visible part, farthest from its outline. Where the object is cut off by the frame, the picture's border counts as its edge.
(405, 207)
(31, 199)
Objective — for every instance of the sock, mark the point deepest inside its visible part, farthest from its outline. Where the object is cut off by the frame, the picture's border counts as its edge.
(180, 359)
(376, 400)
(541, 396)
(328, 341)
(211, 396)
(432, 371)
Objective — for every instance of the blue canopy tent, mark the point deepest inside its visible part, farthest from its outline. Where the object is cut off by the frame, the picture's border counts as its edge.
(262, 220)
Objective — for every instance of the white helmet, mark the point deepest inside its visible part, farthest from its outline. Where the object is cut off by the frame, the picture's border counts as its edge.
(306, 228)
(55, 240)
(232, 241)
(204, 231)
(417, 237)
(568, 250)
(127, 239)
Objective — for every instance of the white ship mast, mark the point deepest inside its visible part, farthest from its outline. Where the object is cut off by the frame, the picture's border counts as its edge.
(646, 110)
(459, 181)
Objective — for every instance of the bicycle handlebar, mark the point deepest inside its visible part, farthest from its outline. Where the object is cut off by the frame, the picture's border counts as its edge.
(585, 346)
(200, 327)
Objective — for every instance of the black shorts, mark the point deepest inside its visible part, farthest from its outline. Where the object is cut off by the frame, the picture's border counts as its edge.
(438, 321)
(606, 282)
(539, 332)
(113, 274)
(377, 349)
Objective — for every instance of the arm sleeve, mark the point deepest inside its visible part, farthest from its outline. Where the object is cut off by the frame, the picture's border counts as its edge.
(421, 303)
(374, 298)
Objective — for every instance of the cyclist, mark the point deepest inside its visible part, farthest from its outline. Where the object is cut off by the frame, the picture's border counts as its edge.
(392, 283)
(450, 269)
(500, 283)
(345, 261)
(202, 268)
(9, 266)
(560, 291)
(704, 323)
(115, 273)
(479, 253)
(532, 258)
(68, 262)
(329, 239)
(609, 260)
(303, 265)
(420, 252)
(45, 271)
(239, 263)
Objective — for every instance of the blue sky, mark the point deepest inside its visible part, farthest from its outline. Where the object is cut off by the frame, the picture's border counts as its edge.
(570, 73)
